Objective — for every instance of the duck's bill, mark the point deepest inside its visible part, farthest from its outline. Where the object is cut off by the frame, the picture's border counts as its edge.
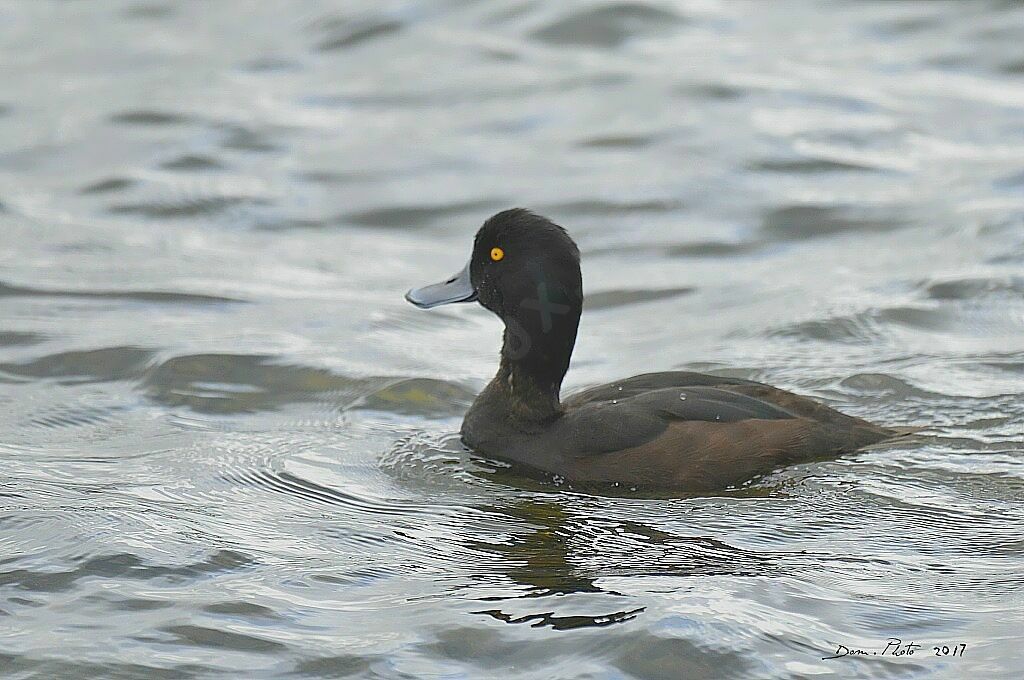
(457, 288)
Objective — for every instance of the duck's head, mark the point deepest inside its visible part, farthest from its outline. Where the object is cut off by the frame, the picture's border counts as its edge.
(526, 269)
(516, 254)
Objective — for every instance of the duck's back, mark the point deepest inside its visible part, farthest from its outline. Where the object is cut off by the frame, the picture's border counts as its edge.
(687, 431)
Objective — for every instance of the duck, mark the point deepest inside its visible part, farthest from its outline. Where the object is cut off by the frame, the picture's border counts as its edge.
(678, 430)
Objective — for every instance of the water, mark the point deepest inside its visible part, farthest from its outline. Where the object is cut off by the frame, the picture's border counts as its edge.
(228, 443)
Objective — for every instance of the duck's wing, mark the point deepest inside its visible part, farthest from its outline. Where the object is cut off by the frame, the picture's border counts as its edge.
(703, 437)
(766, 395)
(635, 418)
(805, 407)
(646, 382)
(713, 439)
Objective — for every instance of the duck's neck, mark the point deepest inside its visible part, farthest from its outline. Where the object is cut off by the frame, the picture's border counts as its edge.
(535, 356)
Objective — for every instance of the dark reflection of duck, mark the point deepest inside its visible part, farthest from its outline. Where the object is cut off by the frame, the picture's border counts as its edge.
(679, 430)
(558, 553)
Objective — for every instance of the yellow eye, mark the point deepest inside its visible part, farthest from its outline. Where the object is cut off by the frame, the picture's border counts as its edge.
(497, 254)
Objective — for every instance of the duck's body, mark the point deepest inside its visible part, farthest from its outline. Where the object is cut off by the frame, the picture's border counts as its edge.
(679, 430)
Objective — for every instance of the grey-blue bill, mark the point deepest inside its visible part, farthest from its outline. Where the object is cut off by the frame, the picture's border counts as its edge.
(456, 288)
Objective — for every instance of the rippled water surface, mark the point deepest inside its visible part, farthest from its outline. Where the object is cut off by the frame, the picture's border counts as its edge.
(229, 445)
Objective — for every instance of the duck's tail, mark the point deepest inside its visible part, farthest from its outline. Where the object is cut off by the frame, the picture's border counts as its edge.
(905, 431)
(888, 435)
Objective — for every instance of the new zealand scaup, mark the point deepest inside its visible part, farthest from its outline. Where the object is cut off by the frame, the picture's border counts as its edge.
(676, 429)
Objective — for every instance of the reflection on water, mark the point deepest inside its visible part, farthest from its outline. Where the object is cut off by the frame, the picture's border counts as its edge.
(230, 446)
(559, 554)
